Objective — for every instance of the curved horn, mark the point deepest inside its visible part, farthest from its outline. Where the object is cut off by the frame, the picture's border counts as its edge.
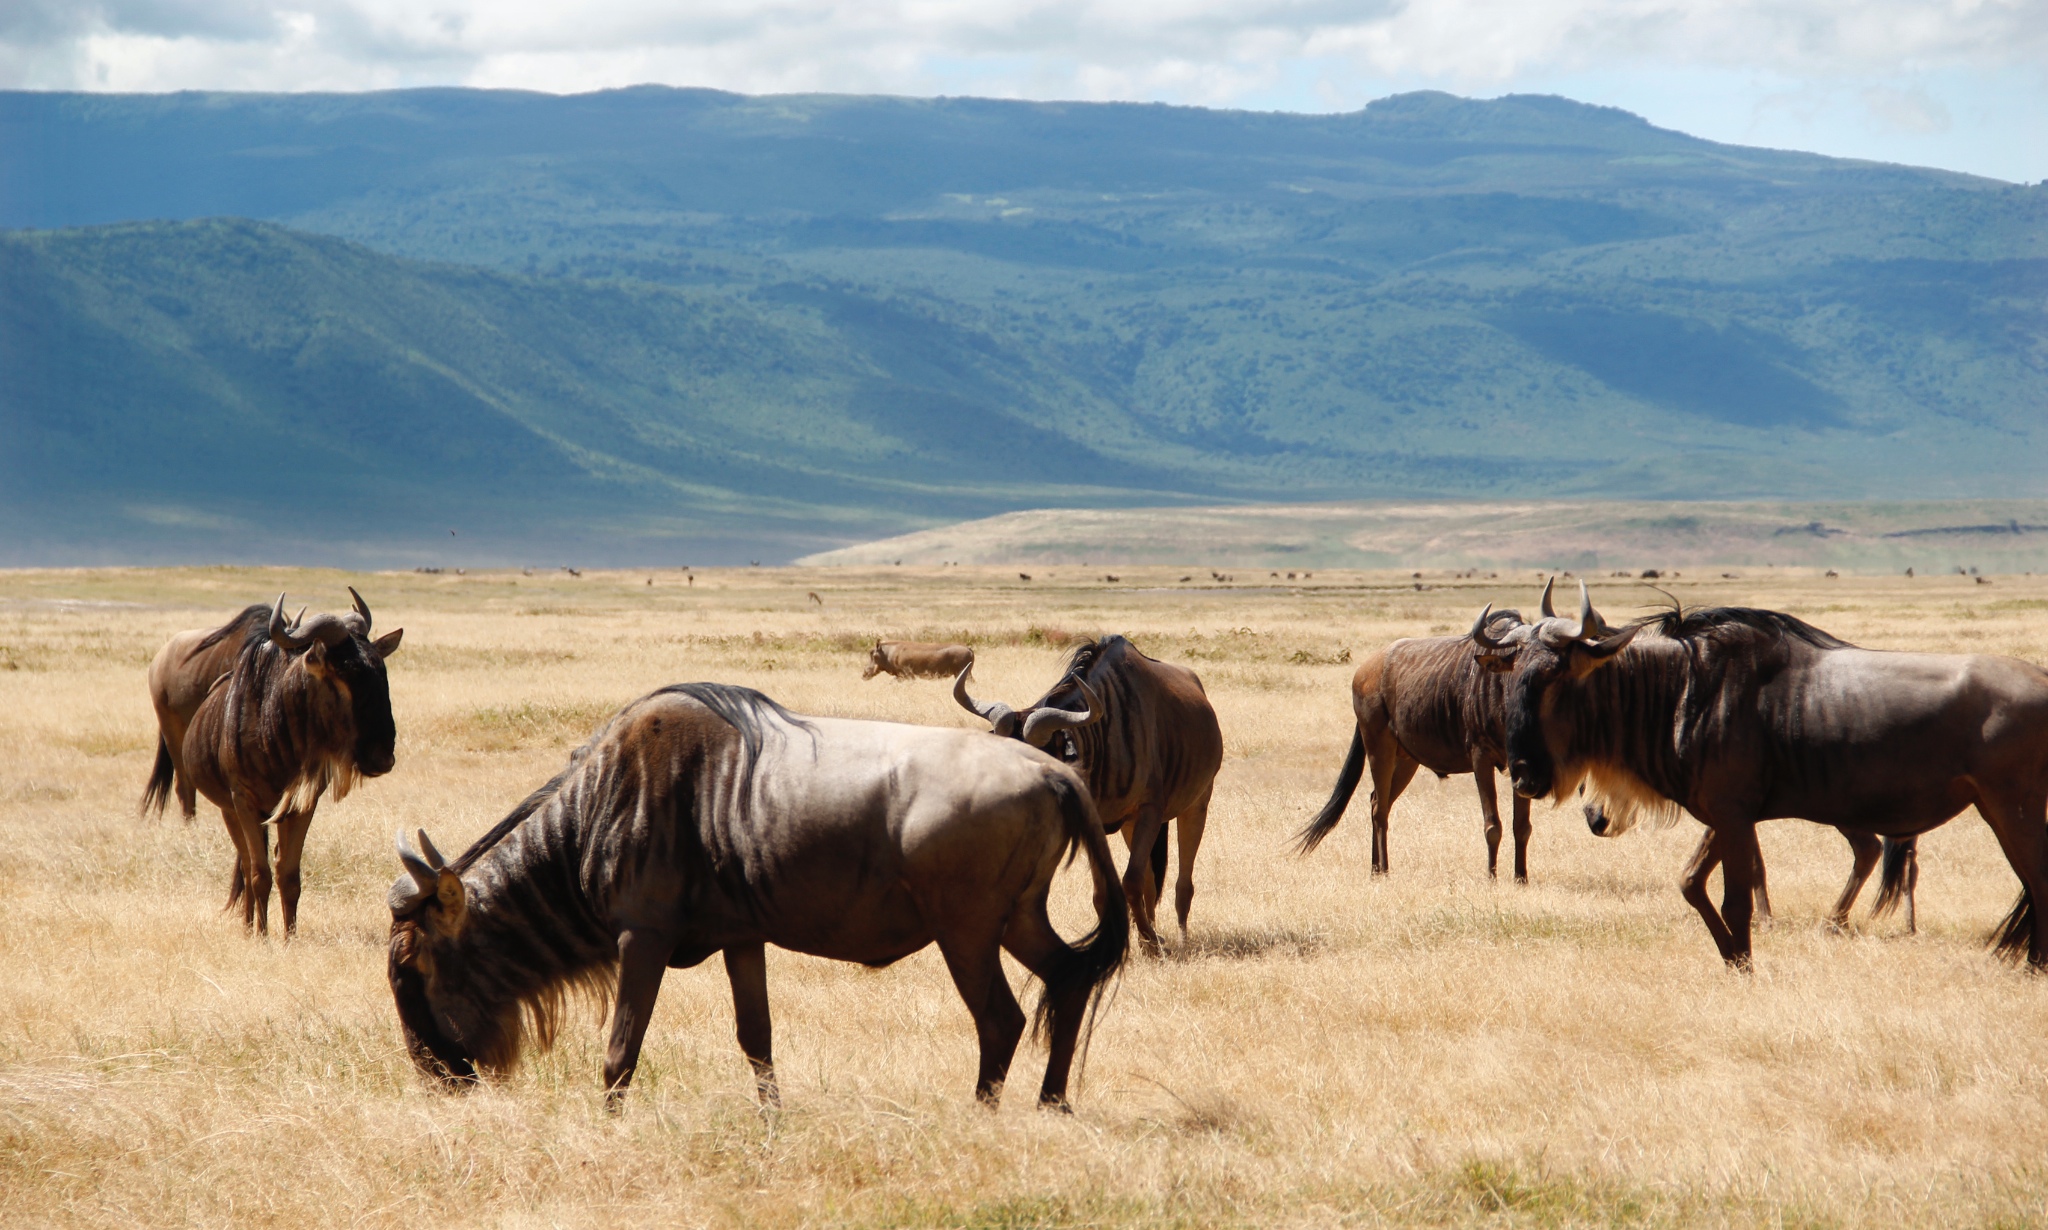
(1588, 620)
(1042, 722)
(1001, 718)
(433, 856)
(1483, 636)
(1548, 611)
(362, 608)
(422, 877)
(285, 638)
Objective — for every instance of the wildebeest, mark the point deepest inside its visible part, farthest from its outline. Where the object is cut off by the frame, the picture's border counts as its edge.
(1425, 701)
(1147, 743)
(1743, 715)
(705, 818)
(917, 659)
(1899, 855)
(306, 708)
(180, 676)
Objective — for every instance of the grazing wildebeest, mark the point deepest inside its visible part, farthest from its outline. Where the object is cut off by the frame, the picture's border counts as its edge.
(307, 708)
(1743, 715)
(917, 659)
(1899, 856)
(182, 673)
(1147, 743)
(705, 818)
(1425, 701)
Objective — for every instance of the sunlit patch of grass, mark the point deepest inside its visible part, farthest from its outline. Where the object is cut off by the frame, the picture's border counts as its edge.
(507, 728)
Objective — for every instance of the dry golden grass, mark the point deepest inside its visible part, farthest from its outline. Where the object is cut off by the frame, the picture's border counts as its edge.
(1429, 1049)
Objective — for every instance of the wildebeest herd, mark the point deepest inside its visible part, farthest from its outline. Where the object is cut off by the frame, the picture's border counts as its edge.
(705, 818)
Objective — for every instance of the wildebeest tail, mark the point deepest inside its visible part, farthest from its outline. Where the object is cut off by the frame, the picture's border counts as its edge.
(1340, 798)
(1892, 879)
(2015, 935)
(158, 792)
(1093, 964)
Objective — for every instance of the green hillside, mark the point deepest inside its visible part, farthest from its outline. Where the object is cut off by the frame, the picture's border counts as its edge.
(664, 321)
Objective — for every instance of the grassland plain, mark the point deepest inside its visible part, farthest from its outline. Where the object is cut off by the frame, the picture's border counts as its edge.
(1428, 1049)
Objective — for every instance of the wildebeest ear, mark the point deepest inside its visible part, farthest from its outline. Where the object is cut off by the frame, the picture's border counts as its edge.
(316, 660)
(1591, 655)
(454, 903)
(387, 644)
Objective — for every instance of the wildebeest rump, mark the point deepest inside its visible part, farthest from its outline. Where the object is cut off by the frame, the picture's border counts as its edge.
(1425, 701)
(1743, 715)
(306, 708)
(915, 659)
(180, 676)
(1146, 741)
(704, 819)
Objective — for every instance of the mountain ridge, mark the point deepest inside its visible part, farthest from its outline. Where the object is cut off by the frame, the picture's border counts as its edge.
(717, 323)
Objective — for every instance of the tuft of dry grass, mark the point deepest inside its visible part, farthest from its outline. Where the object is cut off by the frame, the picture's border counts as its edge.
(1428, 1049)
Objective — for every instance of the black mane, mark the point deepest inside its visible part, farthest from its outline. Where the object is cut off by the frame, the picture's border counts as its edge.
(743, 709)
(253, 622)
(1700, 622)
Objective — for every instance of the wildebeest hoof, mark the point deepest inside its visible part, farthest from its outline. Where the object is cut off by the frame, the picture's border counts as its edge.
(1056, 1104)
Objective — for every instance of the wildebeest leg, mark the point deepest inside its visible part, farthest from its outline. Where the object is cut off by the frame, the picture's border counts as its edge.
(1392, 770)
(1144, 830)
(1693, 886)
(238, 882)
(1759, 890)
(1029, 937)
(975, 960)
(643, 958)
(291, 844)
(2017, 822)
(1192, 823)
(1865, 849)
(746, 967)
(1521, 806)
(254, 842)
(1489, 812)
(1157, 874)
(1739, 860)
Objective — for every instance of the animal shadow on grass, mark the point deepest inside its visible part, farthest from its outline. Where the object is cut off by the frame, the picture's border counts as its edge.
(1248, 944)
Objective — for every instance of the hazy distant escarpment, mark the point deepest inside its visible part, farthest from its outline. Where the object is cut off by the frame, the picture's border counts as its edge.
(689, 326)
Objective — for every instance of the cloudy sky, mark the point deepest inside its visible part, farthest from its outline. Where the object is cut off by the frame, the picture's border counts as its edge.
(1961, 84)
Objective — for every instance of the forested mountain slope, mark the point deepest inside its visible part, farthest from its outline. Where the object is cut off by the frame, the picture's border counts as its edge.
(702, 322)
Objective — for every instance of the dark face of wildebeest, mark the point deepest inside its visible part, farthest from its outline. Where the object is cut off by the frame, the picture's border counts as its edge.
(1539, 656)
(340, 655)
(447, 1034)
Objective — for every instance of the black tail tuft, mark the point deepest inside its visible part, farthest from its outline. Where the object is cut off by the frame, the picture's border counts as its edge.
(2015, 935)
(158, 792)
(1340, 798)
(1093, 965)
(1895, 880)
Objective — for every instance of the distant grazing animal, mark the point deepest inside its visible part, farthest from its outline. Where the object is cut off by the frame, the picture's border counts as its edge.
(305, 709)
(915, 659)
(705, 819)
(1742, 715)
(184, 670)
(1425, 701)
(1147, 743)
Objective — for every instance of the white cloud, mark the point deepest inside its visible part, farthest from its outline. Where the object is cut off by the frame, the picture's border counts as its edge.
(1303, 53)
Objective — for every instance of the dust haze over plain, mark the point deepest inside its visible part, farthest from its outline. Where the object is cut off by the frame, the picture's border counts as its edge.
(681, 325)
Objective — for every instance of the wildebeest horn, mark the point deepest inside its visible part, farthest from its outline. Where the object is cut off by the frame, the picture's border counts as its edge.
(433, 856)
(1001, 718)
(1482, 636)
(423, 879)
(1548, 611)
(1043, 722)
(1589, 622)
(362, 608)
(286, 638)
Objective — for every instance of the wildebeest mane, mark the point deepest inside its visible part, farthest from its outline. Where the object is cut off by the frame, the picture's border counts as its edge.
(253, 622)
(740, 708)
(1702, 622)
